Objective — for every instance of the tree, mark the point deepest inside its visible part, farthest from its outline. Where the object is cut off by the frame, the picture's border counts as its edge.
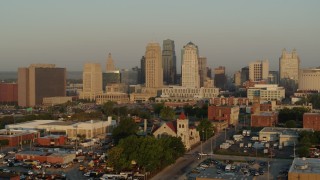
(291, 124)
(205, 129)
(107, 108)
(167, 113)
(157, 108)
(125, 128)
(303, 151)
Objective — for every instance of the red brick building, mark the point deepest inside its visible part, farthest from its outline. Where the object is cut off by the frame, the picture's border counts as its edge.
(46, 157)
(311, 120)
(8, 93)
(18, 137)
(224, 113)
(52, 140)
(264, 119)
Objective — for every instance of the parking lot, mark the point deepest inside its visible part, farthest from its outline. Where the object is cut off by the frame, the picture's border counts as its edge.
(221, 167)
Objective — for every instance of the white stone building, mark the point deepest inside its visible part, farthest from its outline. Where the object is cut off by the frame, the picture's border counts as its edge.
(190, 66)
(266, 92)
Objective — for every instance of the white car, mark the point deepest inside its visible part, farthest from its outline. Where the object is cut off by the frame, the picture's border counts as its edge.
(2, 155)
(30, 172)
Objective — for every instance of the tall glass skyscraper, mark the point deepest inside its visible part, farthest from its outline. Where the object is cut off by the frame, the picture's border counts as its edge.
(169, 62)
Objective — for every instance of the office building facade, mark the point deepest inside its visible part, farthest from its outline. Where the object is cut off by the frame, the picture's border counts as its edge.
(154, 71)
(169, 62)
(39, 81)
(92, 81)
(259, 70)
(190, 66)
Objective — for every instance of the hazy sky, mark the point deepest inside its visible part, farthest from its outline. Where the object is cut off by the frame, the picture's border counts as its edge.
(229, 33)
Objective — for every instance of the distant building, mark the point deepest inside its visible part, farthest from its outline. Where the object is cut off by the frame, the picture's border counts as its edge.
(190, 66)
(169, 62)
(110, 65)
(244, 74)
(229, 114)
(304, 168)
(309, 79)
(143, 70)
(311, 120)
(266, 92)
(289, 65)
(154, 71)
(202, 70)
(110, 77)
(180, 94)
(8, 93)
(230, 101)
(273, 77)
(129, 76)
(220, 79)
(264, 119)
(237, 79)
(259, 70)
(39, 81)
(179, 128)
(92, 81)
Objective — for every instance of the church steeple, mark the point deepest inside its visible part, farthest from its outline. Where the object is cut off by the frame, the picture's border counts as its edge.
(110, 65)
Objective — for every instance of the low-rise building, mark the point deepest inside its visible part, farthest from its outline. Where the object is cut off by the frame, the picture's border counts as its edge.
(71, 129)
(311, 120)
(224, 113)
(285, 136)
(112, 96)
(304, 168)
(266, 92)
(49, 157)
(179, 128)
(179, 93)
(52, 140)
(18, 137)
(264, 119)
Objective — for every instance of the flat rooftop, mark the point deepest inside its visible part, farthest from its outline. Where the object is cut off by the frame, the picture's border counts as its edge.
(305, 165)
(284, 131)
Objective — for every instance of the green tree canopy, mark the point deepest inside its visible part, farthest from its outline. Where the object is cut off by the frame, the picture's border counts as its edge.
(167, 113)
(149, 153)
(205, 129)
(291, 124)
(126, 127)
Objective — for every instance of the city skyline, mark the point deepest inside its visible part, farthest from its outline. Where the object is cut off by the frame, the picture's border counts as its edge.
(228, 34)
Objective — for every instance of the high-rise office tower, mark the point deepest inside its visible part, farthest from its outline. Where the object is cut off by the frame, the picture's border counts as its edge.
(273, 77)
(190, 66)
(259, 70)
(289, 64)
(220, 79)
(237, 78)
(110, 65)
(244, 74)
(143, 70)
(202, 61)
(169, 62)
(92, 81)
(154, 71)
(39, 81)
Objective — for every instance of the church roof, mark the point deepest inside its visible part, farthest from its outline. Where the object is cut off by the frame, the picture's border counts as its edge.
(172, 125)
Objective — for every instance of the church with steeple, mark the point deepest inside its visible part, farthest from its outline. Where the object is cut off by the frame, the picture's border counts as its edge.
(179, 128)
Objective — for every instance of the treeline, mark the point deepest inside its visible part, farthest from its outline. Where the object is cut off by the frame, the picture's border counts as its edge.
(145, 153)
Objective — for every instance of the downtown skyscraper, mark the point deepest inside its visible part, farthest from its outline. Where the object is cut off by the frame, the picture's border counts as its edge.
(169, 62)
(92, 81)
(153, 63)
(190, 66)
